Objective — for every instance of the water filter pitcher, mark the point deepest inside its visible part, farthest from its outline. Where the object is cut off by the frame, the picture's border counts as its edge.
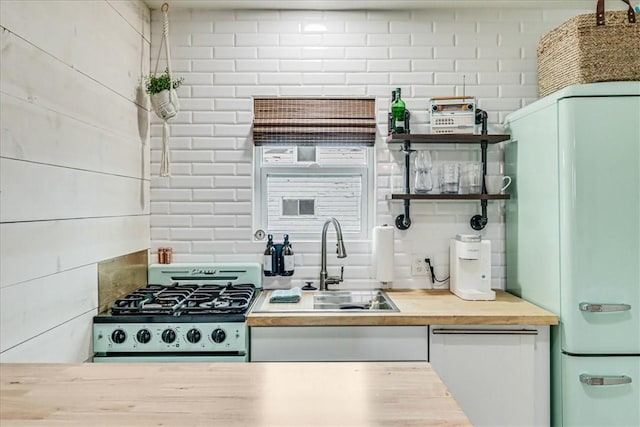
(470, 264)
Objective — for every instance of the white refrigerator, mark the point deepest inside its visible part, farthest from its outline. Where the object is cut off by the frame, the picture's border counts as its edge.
(573, 243)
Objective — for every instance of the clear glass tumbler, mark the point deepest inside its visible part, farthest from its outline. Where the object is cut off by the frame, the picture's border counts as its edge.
(471, 178)
(450, 178)
(423, 182)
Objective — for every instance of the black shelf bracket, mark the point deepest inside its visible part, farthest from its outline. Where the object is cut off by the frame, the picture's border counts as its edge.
(478, 222)
(403, 221)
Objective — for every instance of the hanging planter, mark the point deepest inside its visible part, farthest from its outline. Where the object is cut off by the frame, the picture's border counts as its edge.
(162, 91)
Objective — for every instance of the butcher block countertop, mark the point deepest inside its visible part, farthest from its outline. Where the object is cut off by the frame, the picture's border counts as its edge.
(417, 307)
(226, 394)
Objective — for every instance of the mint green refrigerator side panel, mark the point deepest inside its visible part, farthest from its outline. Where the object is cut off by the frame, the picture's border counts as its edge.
(532, 223)
(599, 154)
(532, 243)
(601, 405)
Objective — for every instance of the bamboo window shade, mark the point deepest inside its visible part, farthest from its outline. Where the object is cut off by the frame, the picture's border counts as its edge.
(314, 121)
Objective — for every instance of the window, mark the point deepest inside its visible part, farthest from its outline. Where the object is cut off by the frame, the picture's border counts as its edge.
(313, 159)
(296, 188)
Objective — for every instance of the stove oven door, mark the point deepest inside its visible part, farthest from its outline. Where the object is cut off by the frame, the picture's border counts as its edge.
(170, 359)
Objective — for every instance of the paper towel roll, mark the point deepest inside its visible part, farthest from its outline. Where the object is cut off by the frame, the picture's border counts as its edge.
(383, 253)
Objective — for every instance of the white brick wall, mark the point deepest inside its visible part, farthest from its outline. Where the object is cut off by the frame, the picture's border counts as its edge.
(204, 210)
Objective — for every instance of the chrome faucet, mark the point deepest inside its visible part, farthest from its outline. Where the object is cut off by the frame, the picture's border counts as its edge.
(325, 279)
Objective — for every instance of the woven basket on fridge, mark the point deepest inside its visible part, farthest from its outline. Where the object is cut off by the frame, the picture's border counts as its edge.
(599, 47)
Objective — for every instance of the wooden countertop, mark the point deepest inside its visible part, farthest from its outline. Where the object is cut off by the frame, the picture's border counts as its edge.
(417, 307)
(224, 394)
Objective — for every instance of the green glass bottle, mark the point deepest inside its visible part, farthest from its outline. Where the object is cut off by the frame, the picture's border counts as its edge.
(398, 109)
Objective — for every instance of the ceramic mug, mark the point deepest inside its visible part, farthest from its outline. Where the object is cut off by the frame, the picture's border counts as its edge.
(496, 184)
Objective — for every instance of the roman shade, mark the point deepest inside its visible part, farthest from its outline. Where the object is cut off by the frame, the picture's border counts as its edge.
(314, 121)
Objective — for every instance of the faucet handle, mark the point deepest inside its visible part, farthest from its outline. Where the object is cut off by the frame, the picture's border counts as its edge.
(335, 280)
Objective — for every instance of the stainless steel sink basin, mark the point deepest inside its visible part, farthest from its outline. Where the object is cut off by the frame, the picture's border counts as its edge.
(374, 300)
(352, 301)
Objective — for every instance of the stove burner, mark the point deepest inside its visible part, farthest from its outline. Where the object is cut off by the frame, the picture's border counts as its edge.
(132, 298)
(222, 299)
(187, 299)
(197, 299)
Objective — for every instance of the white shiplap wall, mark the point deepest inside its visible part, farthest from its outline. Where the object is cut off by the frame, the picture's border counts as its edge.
(74, 166)
(226, 57)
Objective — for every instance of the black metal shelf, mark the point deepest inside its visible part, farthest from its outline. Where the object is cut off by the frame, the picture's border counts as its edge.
(402, 196)
(478, 222)
(446, 138)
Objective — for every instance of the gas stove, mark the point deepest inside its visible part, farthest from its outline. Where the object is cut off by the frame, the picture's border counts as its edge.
(186, 300)
(188, 312)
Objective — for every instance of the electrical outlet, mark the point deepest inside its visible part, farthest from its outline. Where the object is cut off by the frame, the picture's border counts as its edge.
(419, 267)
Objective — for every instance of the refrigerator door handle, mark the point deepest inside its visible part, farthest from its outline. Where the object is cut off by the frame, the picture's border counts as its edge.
(599, 308)
(604, 379)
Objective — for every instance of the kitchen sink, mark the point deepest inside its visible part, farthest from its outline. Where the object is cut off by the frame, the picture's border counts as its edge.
(353, 300)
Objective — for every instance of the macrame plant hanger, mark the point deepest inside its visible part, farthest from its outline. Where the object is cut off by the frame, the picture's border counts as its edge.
(165, 103)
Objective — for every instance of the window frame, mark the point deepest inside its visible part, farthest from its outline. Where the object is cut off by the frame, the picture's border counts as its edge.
(262, 172)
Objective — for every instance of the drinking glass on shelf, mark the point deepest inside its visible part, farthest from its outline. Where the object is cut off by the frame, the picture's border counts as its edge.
(397, 177)
(471, 178)
(450, 178)
(423, 182)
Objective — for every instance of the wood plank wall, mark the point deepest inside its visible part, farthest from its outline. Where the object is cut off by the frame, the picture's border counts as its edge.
(74, 166)
(120, 276)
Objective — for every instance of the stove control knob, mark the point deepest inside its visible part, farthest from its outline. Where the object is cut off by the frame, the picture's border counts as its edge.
(168, 336)
(193, 335)
(143, 336)
(118, 336)
(218, 335)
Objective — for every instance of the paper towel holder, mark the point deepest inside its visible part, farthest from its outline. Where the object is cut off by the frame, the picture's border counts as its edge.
(383, 253)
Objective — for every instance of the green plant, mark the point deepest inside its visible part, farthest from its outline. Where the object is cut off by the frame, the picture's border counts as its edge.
(158, 83)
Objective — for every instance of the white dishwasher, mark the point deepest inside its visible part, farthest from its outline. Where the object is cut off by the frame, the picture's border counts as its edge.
(498, 374)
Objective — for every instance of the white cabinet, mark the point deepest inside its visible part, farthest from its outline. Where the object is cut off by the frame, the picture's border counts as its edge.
(498, 374)
(339, 343)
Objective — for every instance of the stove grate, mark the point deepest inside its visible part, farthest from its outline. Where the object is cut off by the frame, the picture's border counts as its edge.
(187, 299)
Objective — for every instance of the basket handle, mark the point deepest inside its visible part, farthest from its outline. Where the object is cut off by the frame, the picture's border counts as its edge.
(600, 12)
